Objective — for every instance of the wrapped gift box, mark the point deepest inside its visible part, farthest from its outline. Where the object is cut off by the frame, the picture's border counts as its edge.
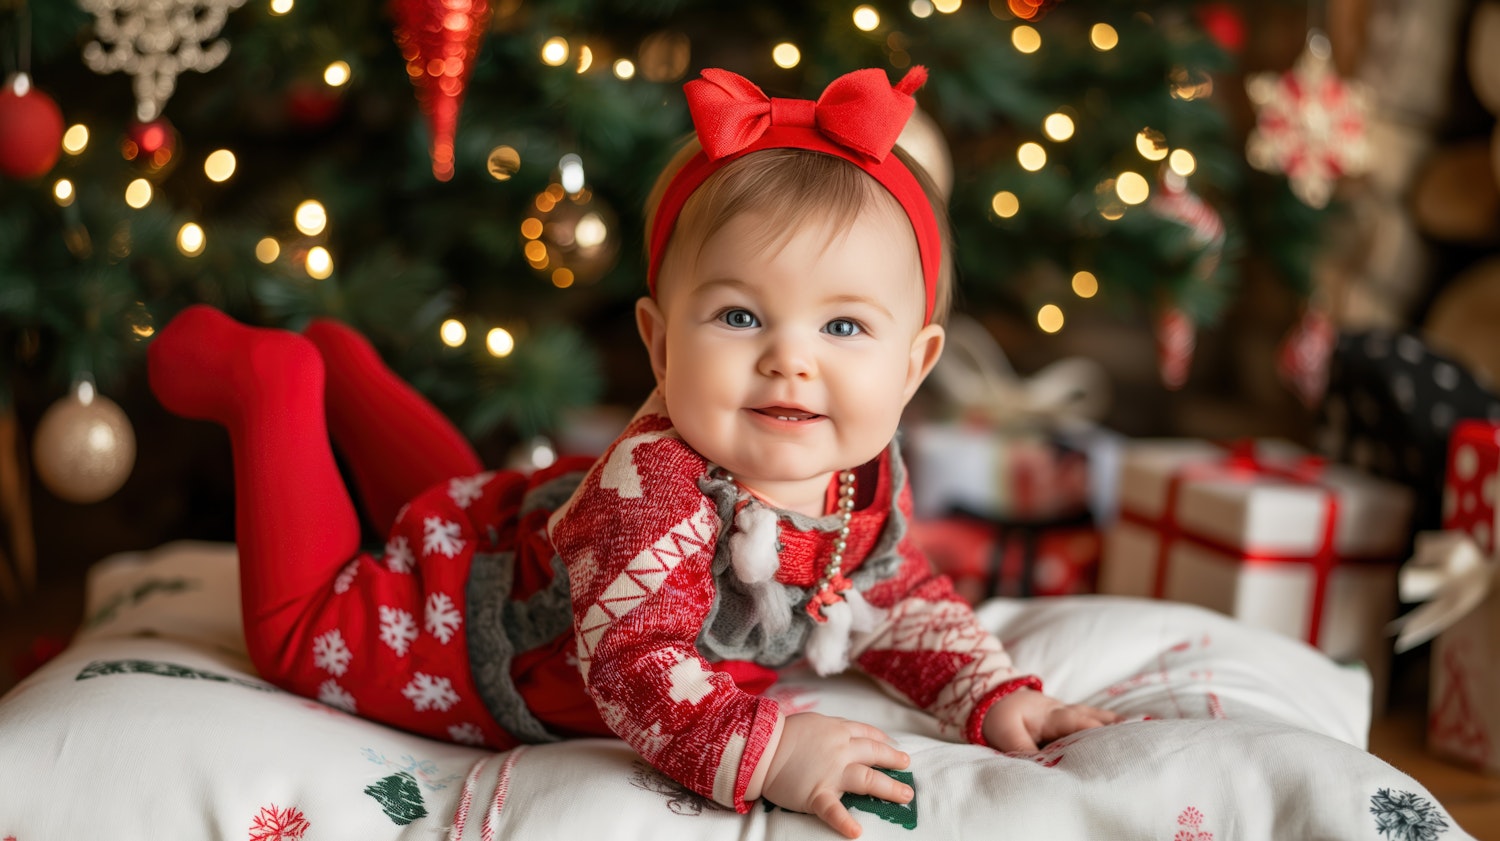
(1266, 534)
(1456, 570)
(1392, 402)
(1011, 475)
(1009, 448)
(987, 559)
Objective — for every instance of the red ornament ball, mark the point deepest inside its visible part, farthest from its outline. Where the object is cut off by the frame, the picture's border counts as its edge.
(31, 130)
(151, 146)
(312, 106)
(1225, 23)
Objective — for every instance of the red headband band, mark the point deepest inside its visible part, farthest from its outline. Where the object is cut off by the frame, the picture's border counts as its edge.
(858, 118)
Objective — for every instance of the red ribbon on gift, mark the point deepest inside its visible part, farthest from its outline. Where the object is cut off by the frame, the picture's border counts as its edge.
(1243, 462)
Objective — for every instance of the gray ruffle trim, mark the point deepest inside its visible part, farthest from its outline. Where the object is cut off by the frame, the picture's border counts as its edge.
(734, 630)
(498, 628)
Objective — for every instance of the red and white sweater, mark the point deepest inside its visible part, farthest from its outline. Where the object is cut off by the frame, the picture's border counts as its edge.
(657, 604)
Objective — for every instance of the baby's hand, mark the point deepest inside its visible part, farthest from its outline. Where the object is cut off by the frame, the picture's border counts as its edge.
(1026, 718)
(820, 758)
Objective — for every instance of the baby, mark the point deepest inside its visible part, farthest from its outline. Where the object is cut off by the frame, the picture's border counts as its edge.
(753, 514)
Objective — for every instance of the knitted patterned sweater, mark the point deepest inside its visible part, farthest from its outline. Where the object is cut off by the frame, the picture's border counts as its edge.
(659, 546)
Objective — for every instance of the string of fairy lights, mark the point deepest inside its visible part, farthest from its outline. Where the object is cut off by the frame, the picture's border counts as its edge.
(663, 57)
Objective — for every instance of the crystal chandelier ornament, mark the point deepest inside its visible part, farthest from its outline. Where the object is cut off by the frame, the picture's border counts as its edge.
(154, 41)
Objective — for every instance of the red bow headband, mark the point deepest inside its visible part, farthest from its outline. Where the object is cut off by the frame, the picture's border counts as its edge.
(858, 118)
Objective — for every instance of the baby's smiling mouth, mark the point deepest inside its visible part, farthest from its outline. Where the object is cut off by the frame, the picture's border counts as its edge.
(786, 413)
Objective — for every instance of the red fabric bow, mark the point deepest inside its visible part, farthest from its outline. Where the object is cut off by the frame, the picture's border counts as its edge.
(860, 111)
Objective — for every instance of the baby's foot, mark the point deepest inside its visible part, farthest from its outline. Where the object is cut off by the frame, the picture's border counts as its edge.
(207, 366)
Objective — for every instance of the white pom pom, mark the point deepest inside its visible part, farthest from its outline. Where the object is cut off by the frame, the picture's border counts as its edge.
(752, 549)
(828, 645)
(867, 617)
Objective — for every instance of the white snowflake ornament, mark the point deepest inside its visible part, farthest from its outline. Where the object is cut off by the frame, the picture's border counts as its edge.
(1310, 124)
(155, 41)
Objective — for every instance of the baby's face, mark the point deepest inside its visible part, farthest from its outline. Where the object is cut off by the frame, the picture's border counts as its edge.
(785, 363)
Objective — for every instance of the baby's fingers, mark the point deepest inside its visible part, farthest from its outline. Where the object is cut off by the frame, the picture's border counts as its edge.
(862, 779)
(829, 808)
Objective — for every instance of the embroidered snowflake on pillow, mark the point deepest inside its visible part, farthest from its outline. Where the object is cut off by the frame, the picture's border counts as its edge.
(277, 824)
(1403, 816)
(1191, 826)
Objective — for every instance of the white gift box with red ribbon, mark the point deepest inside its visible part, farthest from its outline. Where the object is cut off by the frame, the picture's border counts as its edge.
(1454, 573)
(1266, 533)
(1016, 448)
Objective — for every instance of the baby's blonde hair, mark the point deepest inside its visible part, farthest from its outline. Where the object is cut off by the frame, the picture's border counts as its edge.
(787, 188)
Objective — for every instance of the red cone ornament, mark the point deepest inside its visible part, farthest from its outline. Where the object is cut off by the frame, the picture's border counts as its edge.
(31, 130)
(439, 40)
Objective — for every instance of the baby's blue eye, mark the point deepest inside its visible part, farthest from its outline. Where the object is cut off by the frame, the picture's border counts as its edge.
(740, 318)
(842, 327)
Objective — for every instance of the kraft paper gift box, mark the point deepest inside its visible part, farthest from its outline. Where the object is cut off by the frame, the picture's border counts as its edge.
(1267, 534)
(1454, 572)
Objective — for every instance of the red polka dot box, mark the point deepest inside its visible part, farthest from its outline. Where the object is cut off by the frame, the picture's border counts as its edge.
(1454, 575)
(153, 725)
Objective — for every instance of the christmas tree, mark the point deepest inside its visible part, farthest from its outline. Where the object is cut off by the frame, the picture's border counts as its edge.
(465, 184)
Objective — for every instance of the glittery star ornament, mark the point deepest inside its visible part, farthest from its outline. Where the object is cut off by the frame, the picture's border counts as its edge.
(439, 40)
(154, 41)
(1310, 125)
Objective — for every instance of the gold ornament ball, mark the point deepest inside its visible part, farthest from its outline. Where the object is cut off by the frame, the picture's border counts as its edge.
(924, 141)
(579, 234)
(83, 452)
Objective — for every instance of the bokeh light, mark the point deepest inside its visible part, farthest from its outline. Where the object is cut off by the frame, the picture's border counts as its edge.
(1005, 204)
(1104, 37)
(1032, 156)
(76, 139)
(219, 165)
(453, 333)
(319, 263)
(310, 217)
(1050, 318)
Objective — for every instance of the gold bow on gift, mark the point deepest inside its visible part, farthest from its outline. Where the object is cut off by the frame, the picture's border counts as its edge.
(1451, 576)
(975, 375)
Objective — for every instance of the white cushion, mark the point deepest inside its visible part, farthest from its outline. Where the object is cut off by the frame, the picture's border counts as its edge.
(153, 725)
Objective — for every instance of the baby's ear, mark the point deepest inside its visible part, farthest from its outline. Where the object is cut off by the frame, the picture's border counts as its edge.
(653, 326)
(925, 350)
